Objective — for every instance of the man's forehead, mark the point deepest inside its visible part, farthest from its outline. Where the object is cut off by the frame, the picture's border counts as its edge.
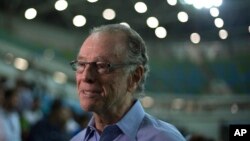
(104, 41)
(102, 48)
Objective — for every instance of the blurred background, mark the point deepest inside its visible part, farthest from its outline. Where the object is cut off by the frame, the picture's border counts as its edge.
(199, 57)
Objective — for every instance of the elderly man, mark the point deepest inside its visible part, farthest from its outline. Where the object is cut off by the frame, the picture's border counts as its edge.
(111, 69)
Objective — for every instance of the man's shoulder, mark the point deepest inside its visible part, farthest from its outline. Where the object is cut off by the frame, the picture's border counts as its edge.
(157, 123)
(153, 128)
(79, 136)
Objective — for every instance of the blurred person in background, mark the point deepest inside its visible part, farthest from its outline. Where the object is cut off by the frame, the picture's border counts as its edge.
(33, 114)
(24, 90)
(111, 69)
(11, 119)
(2, 132)
(30, 117)
(52, 127)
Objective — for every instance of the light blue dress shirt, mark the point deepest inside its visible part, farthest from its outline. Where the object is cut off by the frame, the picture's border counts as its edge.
(136, 125)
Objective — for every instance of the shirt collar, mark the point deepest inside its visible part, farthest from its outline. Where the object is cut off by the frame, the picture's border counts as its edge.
(91, 123)
(90, 128)
(129, 124)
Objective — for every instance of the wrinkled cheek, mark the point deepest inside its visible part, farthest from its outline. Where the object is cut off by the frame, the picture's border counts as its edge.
(113, 91)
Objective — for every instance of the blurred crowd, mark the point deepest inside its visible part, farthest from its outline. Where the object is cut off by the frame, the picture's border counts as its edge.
(30, 113)
(26, 114)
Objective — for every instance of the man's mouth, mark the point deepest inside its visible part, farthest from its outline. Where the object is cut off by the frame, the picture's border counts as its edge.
(90, 94)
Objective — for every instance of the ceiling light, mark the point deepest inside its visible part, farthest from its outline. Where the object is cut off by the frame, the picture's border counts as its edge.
(147, 102)
(217, 3)
(60, 77)
(108, 14)
(195, 38)
(61, 5)
(178, 103)
(140, 7)
(182, 17)
(92, 1)
(223, 34)
(172, 2)
(152, 22)
(30, 13)
(79, 20)
(198, 5)
(218, 22)
(161, 32)
(21, 64)
(214, 12)
(204, 3)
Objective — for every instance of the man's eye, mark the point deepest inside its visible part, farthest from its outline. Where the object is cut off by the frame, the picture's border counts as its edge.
(101, 65)
(81, 64)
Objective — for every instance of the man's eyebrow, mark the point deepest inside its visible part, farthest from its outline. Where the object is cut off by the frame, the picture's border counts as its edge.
(102, 59)
(80, 58)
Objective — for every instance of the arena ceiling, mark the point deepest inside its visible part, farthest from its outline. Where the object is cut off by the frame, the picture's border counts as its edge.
(235, 14)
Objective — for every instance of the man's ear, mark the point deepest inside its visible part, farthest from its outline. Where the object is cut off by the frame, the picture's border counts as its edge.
(135, 78)
(138, 73)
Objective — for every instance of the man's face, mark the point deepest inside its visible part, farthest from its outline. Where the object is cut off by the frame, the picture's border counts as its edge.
(100, 92)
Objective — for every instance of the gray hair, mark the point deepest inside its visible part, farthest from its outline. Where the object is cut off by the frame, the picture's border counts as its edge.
(137, 51)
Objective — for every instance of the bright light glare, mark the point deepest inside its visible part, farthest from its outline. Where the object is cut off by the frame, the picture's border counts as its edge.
(172, 2)
(208, 4)
(199, 4)
(140, 7)
(61, 5)
(249, 28)
(195, 38)
(92, 1)
(60, 77)
(161, 32)
(217, 3)
(79, 20)
(218, 22)
(182, 17)
(124, 23)
(147, 101)
(108, 14)
(178, 103)
(223, 34)
(30, 13)
(188, 2)
(21, 64)
(214, 12)
(152, 22)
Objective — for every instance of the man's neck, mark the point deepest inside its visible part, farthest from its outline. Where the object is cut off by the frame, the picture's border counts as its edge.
(111, 116)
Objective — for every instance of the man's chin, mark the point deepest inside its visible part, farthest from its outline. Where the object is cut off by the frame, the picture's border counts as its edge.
(87, 107)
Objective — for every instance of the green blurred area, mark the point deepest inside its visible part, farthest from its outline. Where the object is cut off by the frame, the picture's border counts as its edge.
(169, 73)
